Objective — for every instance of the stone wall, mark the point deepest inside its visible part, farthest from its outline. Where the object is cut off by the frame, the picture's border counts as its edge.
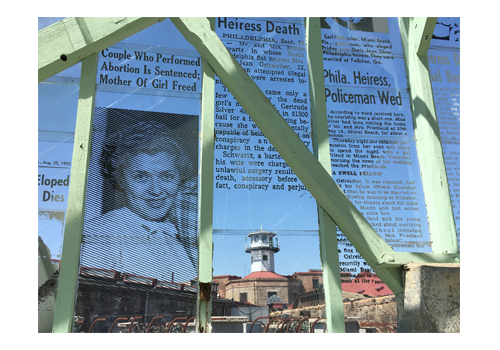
(312, 298)
(431, 299)
(372, 310)
(307, 280)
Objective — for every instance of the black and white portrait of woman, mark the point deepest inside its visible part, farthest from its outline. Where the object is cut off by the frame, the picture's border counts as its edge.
(149, 224)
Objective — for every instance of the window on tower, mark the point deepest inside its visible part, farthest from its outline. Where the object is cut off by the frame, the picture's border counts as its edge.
(264, 257)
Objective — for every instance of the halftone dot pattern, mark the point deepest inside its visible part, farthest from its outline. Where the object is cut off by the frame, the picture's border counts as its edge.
(141, 203)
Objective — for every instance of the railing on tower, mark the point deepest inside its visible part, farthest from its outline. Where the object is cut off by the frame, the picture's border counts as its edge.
(271, 245)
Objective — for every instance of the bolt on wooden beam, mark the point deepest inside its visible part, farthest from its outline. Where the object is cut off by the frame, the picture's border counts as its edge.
(73, 227)
(67, 42)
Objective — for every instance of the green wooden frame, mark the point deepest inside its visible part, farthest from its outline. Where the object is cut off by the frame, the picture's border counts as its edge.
(67, 42)
(305, 166)
(206, 193)
(72, 40)
(332, 284)
(416, 34)
(73, 227)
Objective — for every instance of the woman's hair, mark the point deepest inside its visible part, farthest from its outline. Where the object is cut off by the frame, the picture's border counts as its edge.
(150, 137)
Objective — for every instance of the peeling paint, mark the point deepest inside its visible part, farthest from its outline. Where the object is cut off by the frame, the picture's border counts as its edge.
(205, 288)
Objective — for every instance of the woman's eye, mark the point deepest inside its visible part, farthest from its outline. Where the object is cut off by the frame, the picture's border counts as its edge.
(167, 176)
(139, 177)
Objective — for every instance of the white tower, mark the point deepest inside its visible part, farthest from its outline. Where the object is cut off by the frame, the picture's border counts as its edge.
(262, 247)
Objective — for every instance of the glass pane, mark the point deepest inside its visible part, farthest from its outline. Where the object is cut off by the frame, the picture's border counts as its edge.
(447, 33)
(444, 65)
(260, 207)
(149, 37)
(139, 252)
(57, 106)
(372, 145)
(44, 22)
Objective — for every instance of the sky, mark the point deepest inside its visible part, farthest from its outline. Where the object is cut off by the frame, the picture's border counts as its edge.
(236, 213)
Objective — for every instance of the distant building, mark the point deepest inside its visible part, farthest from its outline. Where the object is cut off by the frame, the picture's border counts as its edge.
(257, 287)
(311, 280)
(264, 282)
(222, 281)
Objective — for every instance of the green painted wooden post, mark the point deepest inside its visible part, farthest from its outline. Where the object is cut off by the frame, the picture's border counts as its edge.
(205, 244)
(67, 42)
(307, 168)
(73, 228)
(416, 34)
(327, 228)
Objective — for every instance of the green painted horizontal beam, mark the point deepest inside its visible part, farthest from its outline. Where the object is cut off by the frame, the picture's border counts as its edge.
(304, 164)
(67, 42)
(400, 259)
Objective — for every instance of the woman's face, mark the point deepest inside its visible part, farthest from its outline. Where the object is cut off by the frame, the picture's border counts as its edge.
(151, 183)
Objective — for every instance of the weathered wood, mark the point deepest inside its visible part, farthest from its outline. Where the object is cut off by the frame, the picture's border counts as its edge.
(334, 307)
(423, 28)
(307, 168)
(73, 228)
(206, 192)
(67, 42)
(428, 138)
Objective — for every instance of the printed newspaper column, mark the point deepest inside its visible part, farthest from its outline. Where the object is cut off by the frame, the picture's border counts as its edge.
(372, 147)
(273, 53)
(54, 168)
(444, 65)
(254, 188)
